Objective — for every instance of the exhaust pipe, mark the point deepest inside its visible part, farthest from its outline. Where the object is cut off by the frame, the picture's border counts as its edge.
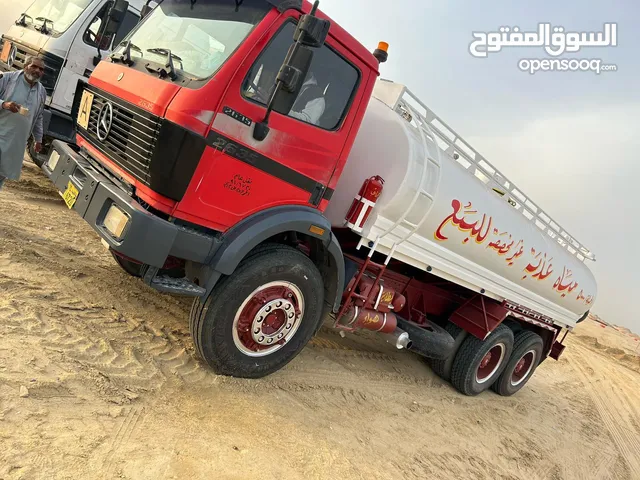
(431, 340)
(398, 338)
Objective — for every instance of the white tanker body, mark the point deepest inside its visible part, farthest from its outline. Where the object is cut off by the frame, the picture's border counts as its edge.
(446, 210)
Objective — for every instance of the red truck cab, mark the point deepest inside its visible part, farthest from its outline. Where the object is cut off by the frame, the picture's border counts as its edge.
(186, 146)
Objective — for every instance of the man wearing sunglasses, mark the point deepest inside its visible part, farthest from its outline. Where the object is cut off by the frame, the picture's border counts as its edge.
(22, 98)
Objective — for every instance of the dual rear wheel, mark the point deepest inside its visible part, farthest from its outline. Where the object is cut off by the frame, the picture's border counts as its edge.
(504, 361)
(527, 354)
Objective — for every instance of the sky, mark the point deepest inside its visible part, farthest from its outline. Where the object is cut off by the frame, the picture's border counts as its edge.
(569, 140)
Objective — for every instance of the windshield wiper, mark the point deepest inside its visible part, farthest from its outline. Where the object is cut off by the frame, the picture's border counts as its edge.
(169, 65)
(43, 29)
(126, 54)
(22, 21)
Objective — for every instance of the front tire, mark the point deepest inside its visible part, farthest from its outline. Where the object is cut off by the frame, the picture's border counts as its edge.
(259, 318)
(526, 356)
(132, 268)
(36, 158)
(479, 363)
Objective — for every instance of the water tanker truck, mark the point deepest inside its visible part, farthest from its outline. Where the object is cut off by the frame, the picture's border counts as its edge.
(247, 154)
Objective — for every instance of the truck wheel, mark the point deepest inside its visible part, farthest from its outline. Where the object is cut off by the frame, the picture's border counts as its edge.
(442, 368)
(527, 352)
(259, 318)
(132, 268)
(479, 363)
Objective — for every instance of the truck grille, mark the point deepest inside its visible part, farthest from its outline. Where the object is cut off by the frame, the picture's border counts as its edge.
(53, 63)
(132, 139)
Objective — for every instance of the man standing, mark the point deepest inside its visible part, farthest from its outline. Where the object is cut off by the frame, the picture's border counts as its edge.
(22, 98)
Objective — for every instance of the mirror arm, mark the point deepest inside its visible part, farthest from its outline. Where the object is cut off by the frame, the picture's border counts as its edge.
(261, 129)
(105, 22)
(144, 11)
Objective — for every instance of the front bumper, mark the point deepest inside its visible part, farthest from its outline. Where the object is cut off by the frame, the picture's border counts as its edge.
(147, 238)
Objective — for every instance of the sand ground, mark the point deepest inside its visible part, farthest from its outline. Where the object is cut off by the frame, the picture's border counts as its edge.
(98, 380)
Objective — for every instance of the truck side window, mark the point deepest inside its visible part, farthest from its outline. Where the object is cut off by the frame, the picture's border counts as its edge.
(326, 93)
(93, 35)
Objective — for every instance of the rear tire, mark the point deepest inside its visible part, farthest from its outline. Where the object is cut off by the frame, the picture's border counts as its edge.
(442, 368)
(527, 352)
(479, 363)
(260, 317)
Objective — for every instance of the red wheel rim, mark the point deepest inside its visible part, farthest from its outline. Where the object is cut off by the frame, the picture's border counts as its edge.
(490, 363)
(523, 367)
(268, 318)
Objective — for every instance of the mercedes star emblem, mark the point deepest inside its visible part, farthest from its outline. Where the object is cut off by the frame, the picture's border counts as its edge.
(105, 119)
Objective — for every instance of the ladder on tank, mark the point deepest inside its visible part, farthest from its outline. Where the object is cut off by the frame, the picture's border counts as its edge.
(399, 99)
(369, 266)
(422, 124)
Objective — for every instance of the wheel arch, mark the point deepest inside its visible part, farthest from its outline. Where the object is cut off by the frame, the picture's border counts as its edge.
(281, 225)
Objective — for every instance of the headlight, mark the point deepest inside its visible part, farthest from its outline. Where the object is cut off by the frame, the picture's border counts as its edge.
(53, 160)
(115, 221)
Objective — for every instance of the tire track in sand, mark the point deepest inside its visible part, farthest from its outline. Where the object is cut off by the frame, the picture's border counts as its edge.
(602, 391)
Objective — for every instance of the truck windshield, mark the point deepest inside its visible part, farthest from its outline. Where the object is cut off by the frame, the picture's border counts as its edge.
(60, 14)
(203, 34)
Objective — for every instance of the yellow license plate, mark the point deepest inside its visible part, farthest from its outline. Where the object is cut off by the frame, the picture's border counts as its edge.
(85, 109)
(70, 195)
(6, 52)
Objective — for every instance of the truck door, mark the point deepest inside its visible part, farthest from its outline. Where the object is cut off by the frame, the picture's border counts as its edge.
(295, 163)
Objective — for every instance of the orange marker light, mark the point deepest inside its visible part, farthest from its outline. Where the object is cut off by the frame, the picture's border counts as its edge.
(316, 230)
(381, 52)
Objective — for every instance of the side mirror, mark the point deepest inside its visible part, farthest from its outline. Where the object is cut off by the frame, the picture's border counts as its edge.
(116, 15)
(311, 32)
(291, 77)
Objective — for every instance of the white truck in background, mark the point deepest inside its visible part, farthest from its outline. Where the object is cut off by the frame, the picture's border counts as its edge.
(72, 36)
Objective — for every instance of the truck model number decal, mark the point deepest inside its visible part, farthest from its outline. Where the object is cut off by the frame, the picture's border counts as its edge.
(237, 116)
